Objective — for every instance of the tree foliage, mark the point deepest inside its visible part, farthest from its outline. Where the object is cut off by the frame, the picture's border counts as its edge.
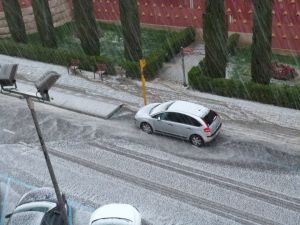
(44, 23)
(15, 22)
(129, 16)
(261, 70)
(215, 38)
(88, 32)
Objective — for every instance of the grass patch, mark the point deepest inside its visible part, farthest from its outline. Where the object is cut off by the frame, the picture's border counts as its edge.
(241, 65)
(111, 40)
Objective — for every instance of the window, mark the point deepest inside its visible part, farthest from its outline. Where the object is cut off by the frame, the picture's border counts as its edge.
(173, 117)
(190, 121)
(209, 117)
(160, 116)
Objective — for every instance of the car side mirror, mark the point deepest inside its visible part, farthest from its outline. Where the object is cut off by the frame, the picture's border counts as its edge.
(8, 216)
(158, 118)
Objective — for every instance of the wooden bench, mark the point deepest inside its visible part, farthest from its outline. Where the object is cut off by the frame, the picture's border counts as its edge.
(100, 69)
(74, 66)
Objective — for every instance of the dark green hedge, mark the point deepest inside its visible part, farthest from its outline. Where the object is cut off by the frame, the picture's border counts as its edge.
(232, 43)
(169, 49)
(279, 95)
(54, 56)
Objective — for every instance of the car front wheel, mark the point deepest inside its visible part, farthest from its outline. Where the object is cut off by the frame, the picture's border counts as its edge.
(196, 140)
(146, 127)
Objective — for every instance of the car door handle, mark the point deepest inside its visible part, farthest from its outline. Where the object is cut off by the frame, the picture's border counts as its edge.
(170, 124)
(188, 128)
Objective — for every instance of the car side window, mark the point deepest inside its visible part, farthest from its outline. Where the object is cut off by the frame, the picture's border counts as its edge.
(160, 116)
(173, 117)
(53, 217)
(190, 121)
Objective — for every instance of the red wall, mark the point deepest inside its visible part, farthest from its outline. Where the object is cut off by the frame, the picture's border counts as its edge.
(286, 20)
(23, 4)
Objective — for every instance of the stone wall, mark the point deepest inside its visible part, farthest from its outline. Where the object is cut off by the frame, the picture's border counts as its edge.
(60, 10)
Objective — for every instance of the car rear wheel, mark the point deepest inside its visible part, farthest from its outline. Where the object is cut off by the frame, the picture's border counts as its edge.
(146, 127)
(196, 140)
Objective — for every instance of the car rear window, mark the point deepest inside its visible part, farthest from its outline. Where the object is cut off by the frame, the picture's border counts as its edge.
(209, 117)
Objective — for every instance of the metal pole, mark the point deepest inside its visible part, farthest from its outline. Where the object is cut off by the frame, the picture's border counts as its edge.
(183, 67)
(48, 162)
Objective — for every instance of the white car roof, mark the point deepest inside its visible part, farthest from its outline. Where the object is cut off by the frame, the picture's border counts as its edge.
(189, 108)
(114, 210)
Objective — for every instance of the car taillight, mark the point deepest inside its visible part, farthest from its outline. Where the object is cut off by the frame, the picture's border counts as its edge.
(207, 130)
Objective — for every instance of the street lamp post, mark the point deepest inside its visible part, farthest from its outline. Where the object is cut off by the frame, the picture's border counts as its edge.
(43, 85)
(183, 67)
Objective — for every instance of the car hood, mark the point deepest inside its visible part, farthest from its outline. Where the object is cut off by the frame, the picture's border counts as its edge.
(26, 218)
(144, 111)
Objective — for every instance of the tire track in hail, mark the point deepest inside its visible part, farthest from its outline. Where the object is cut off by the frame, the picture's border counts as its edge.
(201, 203)
(252, 191)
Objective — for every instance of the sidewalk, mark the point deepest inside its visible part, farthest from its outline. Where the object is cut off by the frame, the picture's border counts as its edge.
(72, 92)
(75, 101)
(173, 70)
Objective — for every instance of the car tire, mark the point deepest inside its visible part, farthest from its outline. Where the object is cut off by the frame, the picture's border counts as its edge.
(196, 140)
(146, 127)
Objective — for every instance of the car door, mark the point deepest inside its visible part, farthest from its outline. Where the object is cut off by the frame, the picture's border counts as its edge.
(189, 126)
(174, 124)
(161, 124)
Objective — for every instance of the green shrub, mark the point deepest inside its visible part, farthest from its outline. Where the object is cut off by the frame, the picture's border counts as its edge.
(177, 40)
(53, 56)
(157, 57)
(232, 43)
(132, 68)
(285, 96)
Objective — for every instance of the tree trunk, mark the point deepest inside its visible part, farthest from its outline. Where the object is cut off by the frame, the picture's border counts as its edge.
(215, 37)
(262, 41)
(86, 26)
(130, 20)
(15, 22)
(44, 23)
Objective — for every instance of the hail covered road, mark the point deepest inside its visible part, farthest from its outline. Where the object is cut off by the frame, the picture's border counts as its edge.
(249, 175)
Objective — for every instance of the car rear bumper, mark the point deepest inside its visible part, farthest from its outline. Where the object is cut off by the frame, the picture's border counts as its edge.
(214, 135)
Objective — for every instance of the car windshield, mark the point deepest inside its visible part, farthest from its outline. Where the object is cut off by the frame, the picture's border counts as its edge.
(209, 117)
(160, 108)
(112, 221)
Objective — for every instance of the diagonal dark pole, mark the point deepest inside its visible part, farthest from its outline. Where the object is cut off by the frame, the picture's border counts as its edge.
(183, 67)
(48, 162)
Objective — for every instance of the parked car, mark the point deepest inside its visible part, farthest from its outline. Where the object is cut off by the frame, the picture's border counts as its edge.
(116, 214)
(38, 207)
(180, 119)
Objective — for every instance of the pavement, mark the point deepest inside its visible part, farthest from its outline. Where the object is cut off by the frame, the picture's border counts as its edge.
(70, 91)
(65, 94)
(75, 101)
(173, 70)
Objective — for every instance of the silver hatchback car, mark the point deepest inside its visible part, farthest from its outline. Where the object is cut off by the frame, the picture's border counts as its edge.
(180, 119)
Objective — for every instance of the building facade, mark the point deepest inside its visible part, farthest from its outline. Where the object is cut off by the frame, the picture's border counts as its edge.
(183, 13)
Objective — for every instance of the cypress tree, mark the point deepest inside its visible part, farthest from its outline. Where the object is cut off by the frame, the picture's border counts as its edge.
(262, 41)
(86, 26)
(15, 22)
(44, 23)
(130, 20)
(215, 37)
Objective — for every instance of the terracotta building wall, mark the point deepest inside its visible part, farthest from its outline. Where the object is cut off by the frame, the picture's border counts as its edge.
(60, 10)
